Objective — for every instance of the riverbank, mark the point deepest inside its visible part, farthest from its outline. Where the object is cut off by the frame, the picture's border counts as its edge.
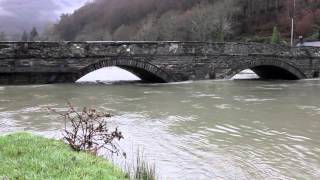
(26, 156)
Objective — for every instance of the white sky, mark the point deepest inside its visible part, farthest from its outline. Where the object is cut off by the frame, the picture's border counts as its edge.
(19, 15)
(5, 12)
(68, 6)
(61, 6)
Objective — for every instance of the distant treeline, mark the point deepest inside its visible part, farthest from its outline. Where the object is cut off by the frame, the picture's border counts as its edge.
(188, 20)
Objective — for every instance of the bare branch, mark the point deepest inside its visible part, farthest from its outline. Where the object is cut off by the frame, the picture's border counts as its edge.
(88, 131)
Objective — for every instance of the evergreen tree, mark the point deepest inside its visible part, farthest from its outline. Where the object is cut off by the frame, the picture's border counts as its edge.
(276, 38)
(25, 36)
(33, 34)
(3, 36)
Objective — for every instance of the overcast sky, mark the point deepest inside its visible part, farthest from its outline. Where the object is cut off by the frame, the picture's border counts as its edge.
(17, 15)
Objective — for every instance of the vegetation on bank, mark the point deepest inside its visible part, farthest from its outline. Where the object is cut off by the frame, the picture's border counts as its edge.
(276, 38)
(25, 156)
(141, 169)
(187, 20)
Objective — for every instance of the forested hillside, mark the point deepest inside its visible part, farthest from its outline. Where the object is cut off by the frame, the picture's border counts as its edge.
(189, 20)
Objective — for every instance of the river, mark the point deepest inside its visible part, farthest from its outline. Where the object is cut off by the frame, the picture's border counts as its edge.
(232, 129)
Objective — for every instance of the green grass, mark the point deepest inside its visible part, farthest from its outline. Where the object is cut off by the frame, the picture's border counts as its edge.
(25, 156)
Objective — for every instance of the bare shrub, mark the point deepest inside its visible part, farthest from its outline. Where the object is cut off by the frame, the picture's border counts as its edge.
(88, 131)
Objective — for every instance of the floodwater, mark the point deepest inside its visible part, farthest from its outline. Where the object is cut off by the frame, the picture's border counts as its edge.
(241, 129)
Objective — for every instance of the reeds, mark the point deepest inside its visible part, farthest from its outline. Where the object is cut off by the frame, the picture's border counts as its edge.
(140, 169)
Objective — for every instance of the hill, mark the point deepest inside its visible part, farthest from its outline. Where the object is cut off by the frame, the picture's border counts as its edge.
(188, 20)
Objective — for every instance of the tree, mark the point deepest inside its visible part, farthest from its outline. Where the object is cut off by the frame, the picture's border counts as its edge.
(124, 33)
(211, 22)
(33, 34)
(48, 33)
(276, 38)
(25, 36)
(145, 30)
(3, 36)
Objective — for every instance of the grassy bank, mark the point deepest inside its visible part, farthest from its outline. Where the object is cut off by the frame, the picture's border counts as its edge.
(25, 156)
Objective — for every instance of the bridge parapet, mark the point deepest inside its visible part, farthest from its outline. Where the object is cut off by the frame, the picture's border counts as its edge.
(312, 52)
(93, 49)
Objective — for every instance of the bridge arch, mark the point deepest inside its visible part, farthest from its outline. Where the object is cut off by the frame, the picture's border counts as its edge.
(270, 69)
(145, 71)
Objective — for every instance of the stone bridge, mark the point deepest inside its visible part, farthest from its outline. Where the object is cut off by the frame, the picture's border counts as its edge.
(65, 62)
